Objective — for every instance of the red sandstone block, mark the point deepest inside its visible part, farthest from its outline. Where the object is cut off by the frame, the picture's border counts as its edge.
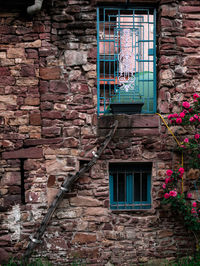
(83, 89)
(35, 119)
(49, 73)
(32, 53)
(4, 71)
(38, 27)
(27, 71)
(168, 11)
(11, 200)
(31, 153)
(11, 178)
(71, 143)
(71, 114)
(189, 9)
(5, 81)
(192, 61)
(32, 101)
(4, 29)
(187, 42)
(92, 54)
(84, 238)
(52, 115)
(166, 22)
(190, 24)
(58, 86)
(53, 97)
(51, 131)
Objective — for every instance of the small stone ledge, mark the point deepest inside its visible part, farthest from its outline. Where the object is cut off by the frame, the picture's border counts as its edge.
(129, 121)
(130, 125)
(29, 153)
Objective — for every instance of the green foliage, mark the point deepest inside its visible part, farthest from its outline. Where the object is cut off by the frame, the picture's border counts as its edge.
(37, 262)
(187, 261)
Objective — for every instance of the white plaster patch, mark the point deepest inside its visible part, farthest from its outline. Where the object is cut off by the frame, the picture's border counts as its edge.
(13, 222)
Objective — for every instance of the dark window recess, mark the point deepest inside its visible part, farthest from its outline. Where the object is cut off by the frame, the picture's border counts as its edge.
(130, 186)
(22, 181)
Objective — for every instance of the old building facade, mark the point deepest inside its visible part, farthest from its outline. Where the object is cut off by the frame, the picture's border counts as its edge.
(49, 127)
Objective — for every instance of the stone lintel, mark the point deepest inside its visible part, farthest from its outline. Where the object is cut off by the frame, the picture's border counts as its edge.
(35, 142)
(29, 153)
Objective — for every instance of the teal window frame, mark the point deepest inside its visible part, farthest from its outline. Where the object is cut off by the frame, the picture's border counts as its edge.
(130, 172)
(145, 83)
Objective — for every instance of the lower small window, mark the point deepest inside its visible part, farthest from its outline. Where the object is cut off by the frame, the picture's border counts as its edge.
(130, 186)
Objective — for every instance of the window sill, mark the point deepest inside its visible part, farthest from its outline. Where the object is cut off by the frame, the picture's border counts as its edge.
(141, 211)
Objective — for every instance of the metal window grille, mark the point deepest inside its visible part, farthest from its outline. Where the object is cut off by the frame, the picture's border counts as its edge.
(126, 65)
(130, 186)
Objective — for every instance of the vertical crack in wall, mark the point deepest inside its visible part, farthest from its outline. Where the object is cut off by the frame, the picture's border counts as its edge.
(22, 181)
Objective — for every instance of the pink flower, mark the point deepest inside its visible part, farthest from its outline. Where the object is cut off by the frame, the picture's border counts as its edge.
(181, 170)
(195, 96)
(173, 193)
(190, 110)
(193, 211)
(196, 116)
(178, 120)
(182, 114)
(169, 172)
(167, 180)
(170, 116)
(194, 204)
(192, 119)
(186, 105)
(198, 156)
(189, 195)
(196, 136)
(166, 196)
(186, 140)
(175, 115)
(164, 186)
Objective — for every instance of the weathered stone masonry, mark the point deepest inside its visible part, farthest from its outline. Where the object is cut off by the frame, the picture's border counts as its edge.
(48, 123)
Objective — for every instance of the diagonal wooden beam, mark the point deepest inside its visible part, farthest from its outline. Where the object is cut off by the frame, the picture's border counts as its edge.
(65, 187)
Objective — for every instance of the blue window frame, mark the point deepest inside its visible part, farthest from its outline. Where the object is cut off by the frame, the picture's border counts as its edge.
(126, 57)
(130, 186)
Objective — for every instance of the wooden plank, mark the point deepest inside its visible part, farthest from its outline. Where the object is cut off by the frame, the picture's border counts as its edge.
(66, 186)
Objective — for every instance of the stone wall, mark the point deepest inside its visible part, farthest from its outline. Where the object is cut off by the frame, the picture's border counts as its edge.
(48, 124)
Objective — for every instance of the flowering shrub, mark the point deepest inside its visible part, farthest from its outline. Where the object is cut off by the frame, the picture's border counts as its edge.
(190, 115)
(180, 202)
(173, 194)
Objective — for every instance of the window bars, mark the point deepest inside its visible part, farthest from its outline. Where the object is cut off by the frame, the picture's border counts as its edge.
(126, 65)
(130, 186)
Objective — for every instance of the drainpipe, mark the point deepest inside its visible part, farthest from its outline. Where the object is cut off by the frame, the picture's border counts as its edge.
(31, 10)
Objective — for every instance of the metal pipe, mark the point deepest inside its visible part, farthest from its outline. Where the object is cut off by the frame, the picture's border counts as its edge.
(31, 10)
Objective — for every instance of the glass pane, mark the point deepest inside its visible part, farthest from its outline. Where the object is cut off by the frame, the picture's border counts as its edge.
(144, 187)
(119, 187)
(137, 187)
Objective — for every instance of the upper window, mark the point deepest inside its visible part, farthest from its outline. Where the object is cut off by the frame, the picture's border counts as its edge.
(126, 58)
(130, 186)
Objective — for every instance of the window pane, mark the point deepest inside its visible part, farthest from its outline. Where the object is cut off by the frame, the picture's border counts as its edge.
(137, 187)
(119, 186)
(144, 187)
